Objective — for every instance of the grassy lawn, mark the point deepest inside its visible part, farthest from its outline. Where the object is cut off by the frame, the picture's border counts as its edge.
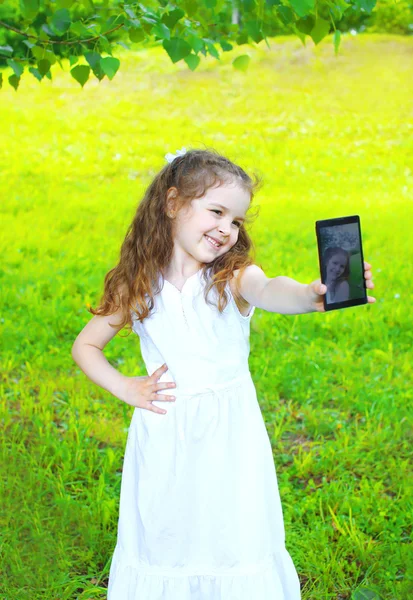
(332, 136)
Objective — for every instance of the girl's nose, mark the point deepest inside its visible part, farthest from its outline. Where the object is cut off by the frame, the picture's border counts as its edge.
(224, 230)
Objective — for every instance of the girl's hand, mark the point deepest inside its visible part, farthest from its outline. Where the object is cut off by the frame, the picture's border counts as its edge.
(141, 391)
(316, 290)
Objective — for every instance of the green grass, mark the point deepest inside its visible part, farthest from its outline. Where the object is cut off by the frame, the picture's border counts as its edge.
(332, 136)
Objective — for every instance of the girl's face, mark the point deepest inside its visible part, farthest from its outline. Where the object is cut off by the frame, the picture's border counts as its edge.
(336, 266)
(218, 214)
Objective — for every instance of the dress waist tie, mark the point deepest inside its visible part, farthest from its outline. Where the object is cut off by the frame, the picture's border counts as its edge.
(214, 388)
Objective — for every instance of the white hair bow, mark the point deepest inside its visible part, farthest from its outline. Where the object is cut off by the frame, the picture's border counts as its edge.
(170, 157)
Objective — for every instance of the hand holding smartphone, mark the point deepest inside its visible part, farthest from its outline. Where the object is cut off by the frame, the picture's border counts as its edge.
(341, 261)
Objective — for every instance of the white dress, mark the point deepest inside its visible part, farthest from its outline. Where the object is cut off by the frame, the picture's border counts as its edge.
(200, 514)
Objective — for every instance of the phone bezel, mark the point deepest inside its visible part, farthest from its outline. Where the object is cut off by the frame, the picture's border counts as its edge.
(334, 223)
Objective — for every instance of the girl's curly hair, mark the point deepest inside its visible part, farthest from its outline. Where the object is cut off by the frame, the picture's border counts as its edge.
(147, 248)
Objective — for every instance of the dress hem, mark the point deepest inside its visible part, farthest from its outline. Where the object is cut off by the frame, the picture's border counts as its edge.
(274, 578)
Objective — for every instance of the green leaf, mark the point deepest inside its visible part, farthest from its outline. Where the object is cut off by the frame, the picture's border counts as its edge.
(337, 39)
(110, 66)
(226, 47)
(61, 21)
(149, 21)
(43, 66)
(161, 31)
(343, 5)
(40, 53)
(105, 45)
(48, 30)
(94, 58)
(188, 30)
(1, 80)
(147, 10)
(79, 29)
(306, 25)
(73, 60)
(320, 30)
(80, 73)
(196, 43)
(192, 60)
(211, 48)
(286, 14)
(191, 8)
(36, 73)
(28, 44)
(131, 13)
(302, 7)
(98, 73)
(14, 81)
(242, 38)
(136, 35)
(6, 50)
(241, 62)
(335, 12)
(172, 17)
(29, 8)
(254, 30)
(367, 5)
(299, 34)
(18, 69)
(177, 48)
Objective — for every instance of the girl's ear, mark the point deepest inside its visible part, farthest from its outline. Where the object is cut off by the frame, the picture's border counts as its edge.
(170, 202)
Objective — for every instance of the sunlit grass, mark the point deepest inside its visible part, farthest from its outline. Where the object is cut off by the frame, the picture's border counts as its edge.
(332, 136)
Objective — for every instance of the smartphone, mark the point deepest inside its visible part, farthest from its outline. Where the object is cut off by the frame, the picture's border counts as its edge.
(340, 255)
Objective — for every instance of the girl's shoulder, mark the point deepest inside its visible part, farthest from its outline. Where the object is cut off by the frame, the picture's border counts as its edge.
(343, 285)
(244, 308)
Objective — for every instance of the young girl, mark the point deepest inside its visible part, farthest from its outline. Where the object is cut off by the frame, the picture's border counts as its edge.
(200, 512)
(337, 273)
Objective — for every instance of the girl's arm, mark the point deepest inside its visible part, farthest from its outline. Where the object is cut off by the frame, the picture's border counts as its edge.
(285, 295)
(87, 352)
(280, 294)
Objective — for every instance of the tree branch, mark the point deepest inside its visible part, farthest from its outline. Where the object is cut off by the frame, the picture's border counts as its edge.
(28, 35)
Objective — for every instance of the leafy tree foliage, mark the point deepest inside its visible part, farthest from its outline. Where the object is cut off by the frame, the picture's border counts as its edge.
(38, 33)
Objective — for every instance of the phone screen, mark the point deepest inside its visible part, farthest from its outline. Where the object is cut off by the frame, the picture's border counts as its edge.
(341, 261)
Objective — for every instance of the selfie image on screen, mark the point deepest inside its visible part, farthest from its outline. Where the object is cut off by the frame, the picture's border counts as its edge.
(341, 263)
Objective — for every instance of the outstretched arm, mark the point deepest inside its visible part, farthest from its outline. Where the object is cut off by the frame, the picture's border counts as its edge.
(279, 294)
(285, 295)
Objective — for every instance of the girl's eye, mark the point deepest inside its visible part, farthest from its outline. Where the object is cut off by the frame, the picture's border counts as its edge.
(219, 211)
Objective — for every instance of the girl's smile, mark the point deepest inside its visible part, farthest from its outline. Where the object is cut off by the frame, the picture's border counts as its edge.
(213, 242)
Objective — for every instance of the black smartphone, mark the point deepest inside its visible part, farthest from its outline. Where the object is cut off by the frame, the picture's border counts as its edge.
(340, 255)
